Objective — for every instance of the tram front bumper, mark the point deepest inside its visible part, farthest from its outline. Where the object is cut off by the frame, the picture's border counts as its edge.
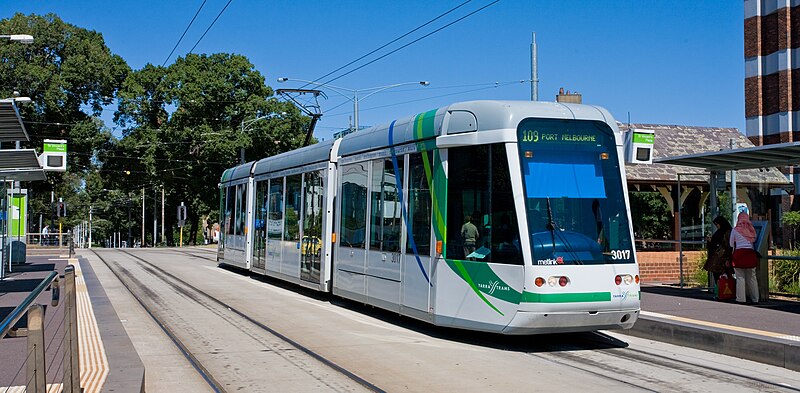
(526, 322)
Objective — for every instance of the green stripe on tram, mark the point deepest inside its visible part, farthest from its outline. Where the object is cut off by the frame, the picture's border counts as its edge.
(585, 297)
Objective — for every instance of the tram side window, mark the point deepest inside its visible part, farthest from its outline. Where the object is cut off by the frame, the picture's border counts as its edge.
(294, 199)
(312, 214)
(229, 209)
(385, 226)
(419, 205)
(354, 205)
(275, 224)
(241, 209)
(261, 207)
(479, 191)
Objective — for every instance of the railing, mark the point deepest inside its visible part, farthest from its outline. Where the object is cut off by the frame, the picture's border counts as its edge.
(65, 342)
(51, 239)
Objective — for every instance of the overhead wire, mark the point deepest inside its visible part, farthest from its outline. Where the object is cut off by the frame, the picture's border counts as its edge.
(184, 33)
(389, 43)
(486, 86)
(212, 25)
(414, 41)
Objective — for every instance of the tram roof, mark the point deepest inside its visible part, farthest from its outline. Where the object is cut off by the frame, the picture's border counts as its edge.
(317, 152)
(238, 172)
(485, 115)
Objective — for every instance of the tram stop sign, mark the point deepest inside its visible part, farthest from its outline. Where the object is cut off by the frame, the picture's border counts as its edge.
(181, 215)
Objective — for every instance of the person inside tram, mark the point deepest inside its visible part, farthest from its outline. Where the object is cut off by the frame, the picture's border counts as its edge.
(469, 235)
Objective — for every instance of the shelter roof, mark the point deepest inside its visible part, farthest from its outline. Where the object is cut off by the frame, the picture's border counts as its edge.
(674, 141)
(21, 165)
(11, 128)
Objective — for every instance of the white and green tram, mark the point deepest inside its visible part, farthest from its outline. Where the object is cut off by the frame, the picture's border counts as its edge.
(500, 216)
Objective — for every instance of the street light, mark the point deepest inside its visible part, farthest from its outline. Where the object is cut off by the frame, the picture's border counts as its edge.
(251, 121)
(22, 38)
(355, 92)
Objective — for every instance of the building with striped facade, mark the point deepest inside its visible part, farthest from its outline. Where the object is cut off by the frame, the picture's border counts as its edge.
(772, 73)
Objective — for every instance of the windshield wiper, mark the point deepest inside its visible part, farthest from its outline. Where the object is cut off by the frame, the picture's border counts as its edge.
(551, 225)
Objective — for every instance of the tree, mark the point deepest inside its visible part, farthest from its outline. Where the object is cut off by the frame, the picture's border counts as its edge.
(651, 215)
(70, 74)
(792, 219)
(182, 128)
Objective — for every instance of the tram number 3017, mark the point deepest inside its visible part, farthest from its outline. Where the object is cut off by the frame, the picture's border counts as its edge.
(620, 254)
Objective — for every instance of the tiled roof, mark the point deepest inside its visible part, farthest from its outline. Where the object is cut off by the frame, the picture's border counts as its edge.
(674, 140)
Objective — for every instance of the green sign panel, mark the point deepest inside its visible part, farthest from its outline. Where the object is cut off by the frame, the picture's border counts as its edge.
(643, 138)
(18, 221)
(55, 147)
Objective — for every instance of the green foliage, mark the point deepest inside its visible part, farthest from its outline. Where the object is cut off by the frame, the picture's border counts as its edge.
(186, 123)
(792, 220)
(652, 218)
(70, 74)
(786, 274)
(700, 276)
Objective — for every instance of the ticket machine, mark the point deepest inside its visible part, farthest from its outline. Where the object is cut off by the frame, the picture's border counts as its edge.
(761, 245)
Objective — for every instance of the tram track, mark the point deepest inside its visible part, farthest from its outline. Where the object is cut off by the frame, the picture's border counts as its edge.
(612, 364)
(236, 319)
(599, 356)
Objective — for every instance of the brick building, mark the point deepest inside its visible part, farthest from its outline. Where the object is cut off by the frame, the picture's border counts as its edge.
(772, 76)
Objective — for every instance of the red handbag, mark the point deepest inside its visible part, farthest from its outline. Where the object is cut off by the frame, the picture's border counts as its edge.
(726, 287)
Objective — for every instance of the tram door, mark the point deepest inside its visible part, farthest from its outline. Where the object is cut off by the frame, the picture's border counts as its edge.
(260, 227)
(417, 256)
(311, 242)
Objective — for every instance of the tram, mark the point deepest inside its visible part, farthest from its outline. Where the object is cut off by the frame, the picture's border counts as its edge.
(500, 216)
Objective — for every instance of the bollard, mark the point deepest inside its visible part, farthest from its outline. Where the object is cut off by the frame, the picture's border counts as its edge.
(36, 363)
(72, 372)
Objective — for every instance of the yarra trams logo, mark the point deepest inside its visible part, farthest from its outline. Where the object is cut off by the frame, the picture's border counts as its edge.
(493, 286)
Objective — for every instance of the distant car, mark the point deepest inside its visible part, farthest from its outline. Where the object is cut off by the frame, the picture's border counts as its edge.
(311, 246)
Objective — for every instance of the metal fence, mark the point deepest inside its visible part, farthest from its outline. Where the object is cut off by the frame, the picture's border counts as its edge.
(50, 357)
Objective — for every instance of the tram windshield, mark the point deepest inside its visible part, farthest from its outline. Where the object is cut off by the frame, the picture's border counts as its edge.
(574, 198)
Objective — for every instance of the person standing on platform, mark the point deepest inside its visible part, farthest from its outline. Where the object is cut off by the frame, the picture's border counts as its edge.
(744, 259)
(719, 252)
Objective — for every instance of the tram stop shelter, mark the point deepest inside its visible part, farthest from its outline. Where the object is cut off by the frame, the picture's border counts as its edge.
(15, 165)
(717, 163)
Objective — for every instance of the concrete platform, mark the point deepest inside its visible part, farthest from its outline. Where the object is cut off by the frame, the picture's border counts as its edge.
(767, 333)
(108, 360)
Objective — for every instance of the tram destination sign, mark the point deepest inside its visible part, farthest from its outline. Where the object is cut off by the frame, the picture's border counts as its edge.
(558, 137)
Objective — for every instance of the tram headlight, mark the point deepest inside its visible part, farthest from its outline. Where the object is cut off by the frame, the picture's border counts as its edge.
(627, 279)
(552, 280)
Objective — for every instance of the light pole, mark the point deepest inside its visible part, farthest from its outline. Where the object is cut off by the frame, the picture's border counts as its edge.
(355, 98)
(22, 38)
(248, 123)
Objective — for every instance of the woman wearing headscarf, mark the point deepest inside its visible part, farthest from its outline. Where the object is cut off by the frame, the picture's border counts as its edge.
(744, 259)
(719, 252)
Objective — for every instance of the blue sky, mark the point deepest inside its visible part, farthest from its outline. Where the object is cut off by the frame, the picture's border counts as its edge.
(666, 62)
